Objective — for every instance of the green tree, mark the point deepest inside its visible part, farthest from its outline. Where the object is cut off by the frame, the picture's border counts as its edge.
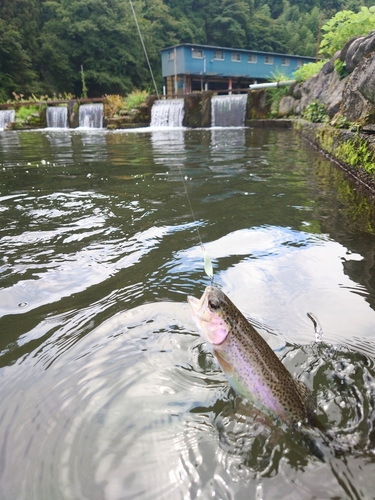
(19, 22)
(267, 34)
(102, 36)
(344, 26)
(230, 26)
(95, 34)
(301, 30)
(43, 43)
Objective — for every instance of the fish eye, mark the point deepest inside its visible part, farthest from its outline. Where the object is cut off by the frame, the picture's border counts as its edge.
(214, 304)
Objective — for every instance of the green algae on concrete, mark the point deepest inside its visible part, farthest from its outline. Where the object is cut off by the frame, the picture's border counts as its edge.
(353, 149)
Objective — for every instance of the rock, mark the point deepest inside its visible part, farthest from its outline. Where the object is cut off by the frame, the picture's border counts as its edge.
(353, 95)
(359, 93)
(295, 90)
(358, 49)
(351, 50)
(341, 54)
(329, 66)
(369, 129)
(366, 84)
(326, 88)
(287, 106)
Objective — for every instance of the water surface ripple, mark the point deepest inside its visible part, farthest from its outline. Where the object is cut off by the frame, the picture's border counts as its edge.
(107, 391)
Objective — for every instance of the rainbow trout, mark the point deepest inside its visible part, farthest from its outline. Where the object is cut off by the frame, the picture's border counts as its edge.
(252, 368)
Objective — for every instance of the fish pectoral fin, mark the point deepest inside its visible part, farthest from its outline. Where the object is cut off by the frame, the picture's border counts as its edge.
(227, 368)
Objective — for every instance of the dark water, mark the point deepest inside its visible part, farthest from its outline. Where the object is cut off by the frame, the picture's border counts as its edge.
(107, 391)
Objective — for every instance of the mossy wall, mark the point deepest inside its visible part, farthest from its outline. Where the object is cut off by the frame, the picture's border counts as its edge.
(193, 111)
(73, 114)
(353, 150)
(258, 105)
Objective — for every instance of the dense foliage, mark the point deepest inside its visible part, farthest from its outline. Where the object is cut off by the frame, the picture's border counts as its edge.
(308, 70)
(56, 46)
(345, 25)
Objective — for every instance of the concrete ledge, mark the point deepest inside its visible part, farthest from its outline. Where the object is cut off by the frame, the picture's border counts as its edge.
(255, 123)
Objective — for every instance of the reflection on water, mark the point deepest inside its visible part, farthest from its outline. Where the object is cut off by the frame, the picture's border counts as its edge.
(107, 390)
(168, 146)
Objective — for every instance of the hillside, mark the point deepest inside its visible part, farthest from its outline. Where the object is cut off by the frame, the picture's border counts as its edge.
(62, 46)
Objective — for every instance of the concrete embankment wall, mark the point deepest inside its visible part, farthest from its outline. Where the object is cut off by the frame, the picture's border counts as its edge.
(346, 87)
(353, 151)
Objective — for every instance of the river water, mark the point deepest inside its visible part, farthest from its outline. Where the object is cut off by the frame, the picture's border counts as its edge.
(107, 391)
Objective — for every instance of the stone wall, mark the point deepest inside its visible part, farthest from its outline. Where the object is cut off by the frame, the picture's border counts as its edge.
(346, 85)
(352, 96)
(353, 151)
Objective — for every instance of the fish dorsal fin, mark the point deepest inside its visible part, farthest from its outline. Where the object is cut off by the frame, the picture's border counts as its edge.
(307, 397)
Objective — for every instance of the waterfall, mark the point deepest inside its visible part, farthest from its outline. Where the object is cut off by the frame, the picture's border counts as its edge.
(57, 117)
(91, 115)
(6, 116)
(169, 113)
(228, 110)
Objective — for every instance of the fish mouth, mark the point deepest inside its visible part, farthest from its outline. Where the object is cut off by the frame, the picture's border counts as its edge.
(197, 305)
(210, 324)
(192, 301)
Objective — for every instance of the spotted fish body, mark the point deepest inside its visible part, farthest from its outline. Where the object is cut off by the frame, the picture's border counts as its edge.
(251, 366)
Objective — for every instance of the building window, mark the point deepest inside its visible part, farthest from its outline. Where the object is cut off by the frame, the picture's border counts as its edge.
(300, 63)
(268, 59)
(285, 61)
(219, 55)
(252, 58)
(197, 53)
(236, 57)
(171, 55)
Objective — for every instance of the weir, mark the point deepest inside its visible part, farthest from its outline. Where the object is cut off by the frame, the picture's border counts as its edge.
(57, 117)
(228, 110)
(169, 113)
(6, 116)
(91, 115)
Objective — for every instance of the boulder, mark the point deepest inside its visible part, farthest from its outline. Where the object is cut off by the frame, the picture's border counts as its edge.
(352, 48)
(358, 98)
(366, 83)
(353, 95)
(295, 90)
(287, 106)
(357, 49)
(325, 87)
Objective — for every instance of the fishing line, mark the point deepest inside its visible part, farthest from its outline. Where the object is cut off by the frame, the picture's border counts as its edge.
(144, 48)
(208, 269)
(206, 258)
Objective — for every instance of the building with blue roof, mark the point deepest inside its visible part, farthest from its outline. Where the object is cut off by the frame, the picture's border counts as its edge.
(189, 68)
